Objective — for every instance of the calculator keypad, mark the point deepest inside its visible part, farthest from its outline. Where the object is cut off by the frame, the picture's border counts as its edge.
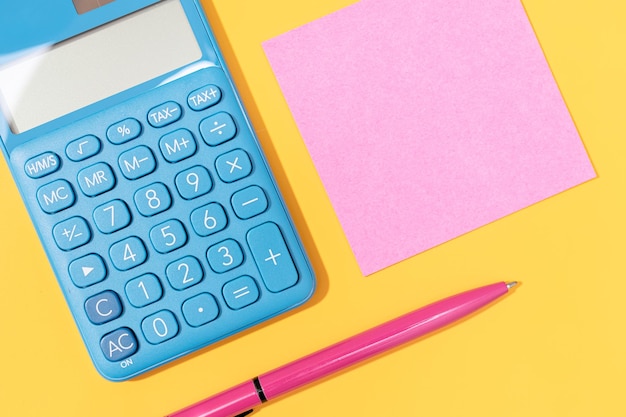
(169, 234)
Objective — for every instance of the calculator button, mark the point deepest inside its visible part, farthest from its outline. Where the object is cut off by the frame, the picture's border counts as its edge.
(87, 270)
(209, 219)
(159, 327)
(240, 292)
(104, 307)
(55, 196)
(193, 182)
(178, 145)
(119, 344)
(204, 97)
(42, 165)
(112, 216)
(83, 148)
(225, 256)
(71, 233)
(249, 202)
(152, 199)
(233, 166)
(96, 179)
(128, 253)
(200, 309)
(168, 236)
(164, 114)
(137, 162)
(124, 131)
(184, 273)
(218, 129)
(272, 257)
(143, 290)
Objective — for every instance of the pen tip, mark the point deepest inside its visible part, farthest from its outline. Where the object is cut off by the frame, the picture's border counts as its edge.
(511, 284)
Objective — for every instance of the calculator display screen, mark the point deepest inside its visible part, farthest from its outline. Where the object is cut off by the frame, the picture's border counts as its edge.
(68, 76)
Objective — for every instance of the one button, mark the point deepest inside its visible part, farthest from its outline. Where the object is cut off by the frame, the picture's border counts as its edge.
(218, 129)
(225, 256)
(272, 257)
(200, 309)
(83, 148)
(240, 292)
(123, 131)
(152, 199)
(104, 307)
(87, 270)
(193, 182)
(209, 219)
(164, 114)
(168, 236)
(178, 145)
(249, 202)
(159, 327)
(184, 273)
(233, 166)
(42, 165)
(137, 162)
(71, 233)
(143, 290)
(119, 344)
(96, 179)
(128, 253)
(55, 196)
(204, 97)
(112, 216)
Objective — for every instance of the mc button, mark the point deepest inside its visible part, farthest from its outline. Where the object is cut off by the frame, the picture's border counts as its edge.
(55, 196)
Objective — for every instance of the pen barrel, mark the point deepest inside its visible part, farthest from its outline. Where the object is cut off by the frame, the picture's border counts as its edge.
(228, 403)
(377, 340)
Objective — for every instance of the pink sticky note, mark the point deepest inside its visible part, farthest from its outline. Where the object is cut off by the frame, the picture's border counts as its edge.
(427, 119)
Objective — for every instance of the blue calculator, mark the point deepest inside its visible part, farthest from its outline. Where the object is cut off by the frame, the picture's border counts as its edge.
(143, 178)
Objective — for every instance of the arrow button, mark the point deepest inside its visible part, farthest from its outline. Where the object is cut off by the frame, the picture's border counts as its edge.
(87, 270)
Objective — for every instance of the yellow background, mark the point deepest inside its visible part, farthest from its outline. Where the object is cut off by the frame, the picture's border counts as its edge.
(556, 347)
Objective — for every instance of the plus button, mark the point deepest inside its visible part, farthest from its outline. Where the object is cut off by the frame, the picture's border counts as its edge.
(272, 257)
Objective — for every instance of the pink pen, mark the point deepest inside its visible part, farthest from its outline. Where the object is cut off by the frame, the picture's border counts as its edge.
(239, 400)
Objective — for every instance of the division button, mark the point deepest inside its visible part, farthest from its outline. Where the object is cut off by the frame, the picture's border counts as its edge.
(218, 128)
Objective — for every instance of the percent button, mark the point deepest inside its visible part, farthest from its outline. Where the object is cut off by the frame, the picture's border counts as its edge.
(123, 131)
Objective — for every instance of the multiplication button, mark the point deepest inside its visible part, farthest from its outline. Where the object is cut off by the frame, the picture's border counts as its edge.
(233, 166)
(272, 257)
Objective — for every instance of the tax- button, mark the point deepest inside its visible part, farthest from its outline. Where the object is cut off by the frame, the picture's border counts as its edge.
(96, 179)
(272, 257)
(55, 196)
(164, 114)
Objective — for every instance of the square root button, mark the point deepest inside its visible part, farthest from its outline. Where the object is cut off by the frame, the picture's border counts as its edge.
(272, 257)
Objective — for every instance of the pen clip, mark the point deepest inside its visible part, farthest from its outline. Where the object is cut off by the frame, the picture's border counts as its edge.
(245, 413)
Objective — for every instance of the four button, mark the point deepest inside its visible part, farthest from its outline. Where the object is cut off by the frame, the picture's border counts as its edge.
(99, 178)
